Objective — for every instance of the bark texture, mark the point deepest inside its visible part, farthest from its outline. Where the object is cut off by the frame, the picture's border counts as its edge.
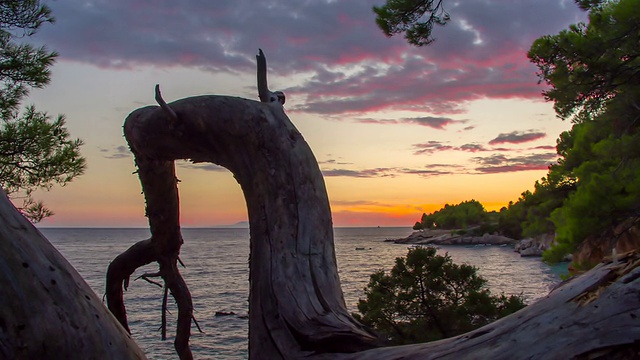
(297, 305)
(47, 311)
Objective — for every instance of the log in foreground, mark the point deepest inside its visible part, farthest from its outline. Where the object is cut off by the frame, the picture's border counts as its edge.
(296, 303)
(47, 311)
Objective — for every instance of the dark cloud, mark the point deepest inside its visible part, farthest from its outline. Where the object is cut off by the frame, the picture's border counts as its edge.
(472, 148)
(517, 137)
(499, 163)
(495, 163)
(427, 171)
(342, 60)
(333, 162)
(367, 173)
(544, 147)
(358, 203)
(438, 123)
(117, 152)
(430, 147)
(433, 146)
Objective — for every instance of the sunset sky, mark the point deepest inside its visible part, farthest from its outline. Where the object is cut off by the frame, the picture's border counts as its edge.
(397, 130)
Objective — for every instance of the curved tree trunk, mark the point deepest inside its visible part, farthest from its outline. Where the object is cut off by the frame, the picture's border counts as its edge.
(47, 311)
(296, 303)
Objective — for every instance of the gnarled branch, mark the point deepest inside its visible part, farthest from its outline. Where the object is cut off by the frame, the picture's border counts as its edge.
(163, 105)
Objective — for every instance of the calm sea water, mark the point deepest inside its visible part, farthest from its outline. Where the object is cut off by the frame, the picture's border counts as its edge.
(217, 274)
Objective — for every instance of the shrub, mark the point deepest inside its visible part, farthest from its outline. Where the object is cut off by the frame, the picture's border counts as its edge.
(427, 297)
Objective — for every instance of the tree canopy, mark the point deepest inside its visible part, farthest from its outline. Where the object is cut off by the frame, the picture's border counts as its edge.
(460, 216)
(414, 18)
(594, 75)
(36, 151)
(427, 297)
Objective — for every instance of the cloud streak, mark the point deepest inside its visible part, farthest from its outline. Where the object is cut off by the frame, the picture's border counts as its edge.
(517, 137)
(499, 163)
(438, 123)
(116, 152)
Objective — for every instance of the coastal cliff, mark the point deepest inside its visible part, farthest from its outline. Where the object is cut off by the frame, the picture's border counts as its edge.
(617, 240)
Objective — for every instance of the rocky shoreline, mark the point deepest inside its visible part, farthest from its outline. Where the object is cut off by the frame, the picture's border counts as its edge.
(527, 247)
(620, 239)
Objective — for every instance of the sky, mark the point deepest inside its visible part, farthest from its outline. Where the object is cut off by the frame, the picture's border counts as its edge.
(397, 130)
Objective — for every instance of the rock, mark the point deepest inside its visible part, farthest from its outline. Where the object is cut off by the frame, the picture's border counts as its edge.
(534, 246)
(452, 237)
(496, 240)
(530, 251)
(620, 239)
(224, 313)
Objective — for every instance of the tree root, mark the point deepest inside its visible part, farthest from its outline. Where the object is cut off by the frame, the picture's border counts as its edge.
(118, 273)
(180, 292)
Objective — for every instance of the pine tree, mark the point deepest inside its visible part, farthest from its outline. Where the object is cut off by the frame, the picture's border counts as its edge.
(36, 151)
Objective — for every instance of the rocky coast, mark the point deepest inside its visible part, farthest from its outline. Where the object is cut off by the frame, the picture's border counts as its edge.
(525, 247)
(452, 237)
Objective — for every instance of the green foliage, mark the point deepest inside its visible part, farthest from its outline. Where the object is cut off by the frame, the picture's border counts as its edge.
(427, 297)
(35, 150)
(587, 64)
(461, 216)
(594, 73)
(415, 18)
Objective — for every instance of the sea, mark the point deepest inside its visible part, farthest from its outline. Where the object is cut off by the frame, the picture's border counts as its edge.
(217, 273)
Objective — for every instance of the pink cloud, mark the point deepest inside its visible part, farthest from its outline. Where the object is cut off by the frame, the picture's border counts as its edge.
(357, 69)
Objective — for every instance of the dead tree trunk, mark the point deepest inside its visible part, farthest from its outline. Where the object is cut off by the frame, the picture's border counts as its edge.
(296, 303)
(47, 311)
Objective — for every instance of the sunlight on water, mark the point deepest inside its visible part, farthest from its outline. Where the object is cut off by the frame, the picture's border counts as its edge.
(218, 276)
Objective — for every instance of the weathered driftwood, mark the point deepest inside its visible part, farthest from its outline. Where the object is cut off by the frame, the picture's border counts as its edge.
(47, 311)
(296, 303)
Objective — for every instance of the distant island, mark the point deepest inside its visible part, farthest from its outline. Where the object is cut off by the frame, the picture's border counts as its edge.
(238, 225)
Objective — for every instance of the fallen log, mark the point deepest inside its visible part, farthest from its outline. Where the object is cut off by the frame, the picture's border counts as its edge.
(47, 311)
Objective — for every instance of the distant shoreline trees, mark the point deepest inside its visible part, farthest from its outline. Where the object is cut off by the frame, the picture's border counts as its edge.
(460, 216)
